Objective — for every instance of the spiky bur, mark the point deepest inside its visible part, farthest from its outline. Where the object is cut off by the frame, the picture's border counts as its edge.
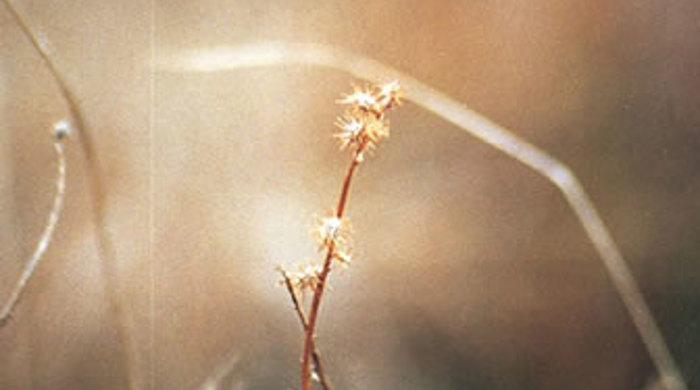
(362, 127)
(336, 233)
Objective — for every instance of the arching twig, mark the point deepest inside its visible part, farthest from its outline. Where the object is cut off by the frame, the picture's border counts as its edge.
(282, 54)
(59, 135)
(103, 239)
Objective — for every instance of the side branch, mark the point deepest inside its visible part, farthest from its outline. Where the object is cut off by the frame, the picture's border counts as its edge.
(318, 364)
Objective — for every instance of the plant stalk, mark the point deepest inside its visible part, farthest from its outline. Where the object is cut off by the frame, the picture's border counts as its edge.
(318, 293)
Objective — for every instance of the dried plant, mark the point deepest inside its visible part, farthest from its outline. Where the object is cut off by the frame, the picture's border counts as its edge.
(60, 132)
(97, 192)
(455, 112)
(361, 128)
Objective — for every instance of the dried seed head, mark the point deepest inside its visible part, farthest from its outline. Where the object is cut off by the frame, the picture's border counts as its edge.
(336, 234)
(306, 278)
(389, 94)
(376, 130)
(331, 231)
(363, 126)
(351, 129)
(361, 131)
(361, 98)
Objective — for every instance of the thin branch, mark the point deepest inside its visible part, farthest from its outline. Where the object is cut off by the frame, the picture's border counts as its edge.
(60, 131)
(283, 54)
(318, 363)
(223, 369)
(103, 238)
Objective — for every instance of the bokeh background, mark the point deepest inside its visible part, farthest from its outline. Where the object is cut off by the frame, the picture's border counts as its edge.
(471, 271)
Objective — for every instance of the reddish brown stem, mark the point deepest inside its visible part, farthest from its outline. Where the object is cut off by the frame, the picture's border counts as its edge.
(318, 293)
(346, 187)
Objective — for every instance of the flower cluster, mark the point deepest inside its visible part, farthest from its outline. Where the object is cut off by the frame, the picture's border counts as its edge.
(306, 278)
(334, 234)
(363, 125)
(331, 234)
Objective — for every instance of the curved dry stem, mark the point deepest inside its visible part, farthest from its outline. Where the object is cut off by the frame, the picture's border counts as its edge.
(47, 234)
(282, 54)
(97, 193)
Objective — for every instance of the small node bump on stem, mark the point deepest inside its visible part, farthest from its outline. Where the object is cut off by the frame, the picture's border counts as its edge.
(61, 130)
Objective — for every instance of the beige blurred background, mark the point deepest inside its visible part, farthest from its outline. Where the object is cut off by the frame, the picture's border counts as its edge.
(471, 271)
